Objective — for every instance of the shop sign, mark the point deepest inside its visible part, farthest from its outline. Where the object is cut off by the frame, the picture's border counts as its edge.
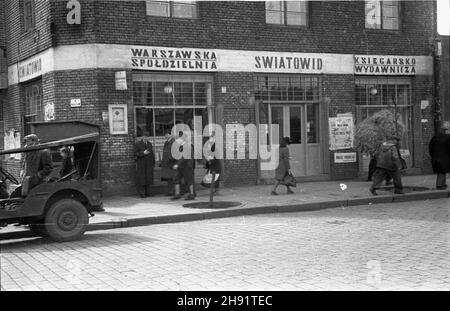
(173, 59)
(349, 157)
(121, 80)
(341, 132)
(30, 70)
(385, 65)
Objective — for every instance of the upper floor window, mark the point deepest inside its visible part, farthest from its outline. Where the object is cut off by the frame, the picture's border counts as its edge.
(34, 110)
(28, 14)
(172, 8)
(287, 12)
(383, 14)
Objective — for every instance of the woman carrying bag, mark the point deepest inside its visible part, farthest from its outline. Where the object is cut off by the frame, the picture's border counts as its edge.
(283, 173)
(212, 165)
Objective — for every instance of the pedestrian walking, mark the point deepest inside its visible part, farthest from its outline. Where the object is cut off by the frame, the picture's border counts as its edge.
(372, 168)
(167, 172)
(284, 167)
(212, 164)
(439, 149)
(185, 170)
(388, 164)
(145, 162)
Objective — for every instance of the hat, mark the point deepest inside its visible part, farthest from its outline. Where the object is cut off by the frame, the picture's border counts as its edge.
(31, 137)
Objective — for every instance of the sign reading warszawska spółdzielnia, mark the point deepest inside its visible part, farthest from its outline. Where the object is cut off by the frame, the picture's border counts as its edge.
(173, 59)
(385, 65)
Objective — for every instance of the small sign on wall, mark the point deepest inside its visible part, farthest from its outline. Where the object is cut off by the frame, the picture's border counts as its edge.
(76, 102)
(347, 157)
(121, 80)
(118, 121)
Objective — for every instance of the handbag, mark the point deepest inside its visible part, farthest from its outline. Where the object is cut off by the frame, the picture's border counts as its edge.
(289, 180)
(207, 180)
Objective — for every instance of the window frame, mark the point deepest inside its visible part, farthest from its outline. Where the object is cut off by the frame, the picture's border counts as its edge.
(29, 20)
(382, 28)
(285, 14)
(171, 9)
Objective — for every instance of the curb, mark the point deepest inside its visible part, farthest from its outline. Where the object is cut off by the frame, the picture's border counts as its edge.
(300, 207)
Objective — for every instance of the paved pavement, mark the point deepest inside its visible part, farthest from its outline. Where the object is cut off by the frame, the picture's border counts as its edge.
(127, 211)
(401, 246)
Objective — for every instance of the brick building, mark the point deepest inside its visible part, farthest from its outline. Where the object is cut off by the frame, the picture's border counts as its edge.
(136, 67)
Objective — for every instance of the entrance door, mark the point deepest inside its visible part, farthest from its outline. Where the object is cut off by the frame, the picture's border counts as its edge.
(301, 124)
(295, 130)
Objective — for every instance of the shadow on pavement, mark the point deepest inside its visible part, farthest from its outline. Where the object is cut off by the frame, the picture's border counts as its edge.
(89, 240)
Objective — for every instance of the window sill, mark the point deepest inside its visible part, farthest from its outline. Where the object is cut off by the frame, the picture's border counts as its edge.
(281, 26)
(384, 31)
(186, 19)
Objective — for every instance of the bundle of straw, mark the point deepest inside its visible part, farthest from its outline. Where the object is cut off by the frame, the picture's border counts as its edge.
(371, 132)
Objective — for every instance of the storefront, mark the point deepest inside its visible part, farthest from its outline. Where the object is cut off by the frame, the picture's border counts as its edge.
(293, 103)
(316, 99)
(162, 100)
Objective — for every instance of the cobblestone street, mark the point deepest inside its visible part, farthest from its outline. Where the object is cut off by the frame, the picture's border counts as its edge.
(402, 246)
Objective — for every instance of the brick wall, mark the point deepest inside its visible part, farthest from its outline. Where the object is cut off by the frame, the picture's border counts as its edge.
(423, 120)
(445, 78)
(2, 25)
(21, 44)
(339, 95)
(96, 89)
(334, 27)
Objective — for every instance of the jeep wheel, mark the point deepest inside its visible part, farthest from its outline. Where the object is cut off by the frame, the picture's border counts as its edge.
(39, 229)
(66, 220)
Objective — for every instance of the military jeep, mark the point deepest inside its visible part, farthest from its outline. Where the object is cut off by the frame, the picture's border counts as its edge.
(58, 208)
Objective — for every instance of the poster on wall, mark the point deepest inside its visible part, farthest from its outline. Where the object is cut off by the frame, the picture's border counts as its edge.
(12, 141)
(49, 110)
(341, 132)
(118, 122)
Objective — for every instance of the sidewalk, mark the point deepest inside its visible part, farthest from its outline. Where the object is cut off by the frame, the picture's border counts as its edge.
(129, 211)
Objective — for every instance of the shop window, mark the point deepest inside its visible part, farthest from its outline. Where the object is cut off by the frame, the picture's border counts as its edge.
(287, 12)
(33, 104)
(159, 105)
(394, 94)
(178, 9)
(382, 14)
(28, 15)
(275, 88)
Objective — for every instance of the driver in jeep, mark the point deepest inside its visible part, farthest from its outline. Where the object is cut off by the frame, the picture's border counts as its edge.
(38, 165)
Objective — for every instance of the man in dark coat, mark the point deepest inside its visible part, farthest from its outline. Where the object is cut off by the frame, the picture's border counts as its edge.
(38, 164)
(439, 149)
(185, 170)
(167, 163)
(388, 164)
(145, 162)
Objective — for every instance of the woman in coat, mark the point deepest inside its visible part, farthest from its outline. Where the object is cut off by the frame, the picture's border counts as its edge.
(439, 149)
(284, 167)
(145, 161)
